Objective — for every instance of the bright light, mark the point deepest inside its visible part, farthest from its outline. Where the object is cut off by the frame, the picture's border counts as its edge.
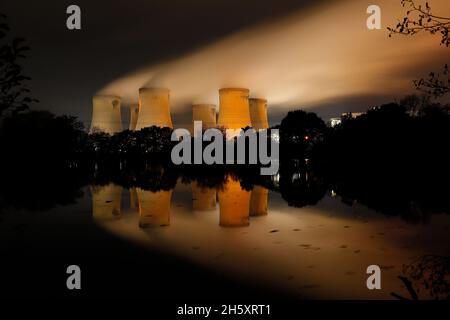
(276, 178)
(335, 122)
(275, 136)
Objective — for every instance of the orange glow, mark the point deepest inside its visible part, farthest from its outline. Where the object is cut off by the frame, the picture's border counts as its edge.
(309, 59)
(234, 204)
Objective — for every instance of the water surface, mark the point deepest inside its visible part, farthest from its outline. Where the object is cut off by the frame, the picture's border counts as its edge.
(252, 235)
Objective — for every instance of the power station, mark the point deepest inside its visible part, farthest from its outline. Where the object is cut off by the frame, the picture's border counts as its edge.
(206, 113)
(154, 108)
(106, 114)
(258, 113)
(134, 114)
(234, 111)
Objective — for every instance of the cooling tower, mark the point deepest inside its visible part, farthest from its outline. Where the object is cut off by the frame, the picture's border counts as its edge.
(106, 114)
(203, 198)
(106, 202)
(258, 201)
(134, 113)
(154, 208)
(234, 204)
(258, 113)
(234, 111)
(154, 108)
(205, 113)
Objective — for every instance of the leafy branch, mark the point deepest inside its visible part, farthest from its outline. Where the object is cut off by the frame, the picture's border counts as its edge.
(13, 92)
(437, 84)
(421, 19)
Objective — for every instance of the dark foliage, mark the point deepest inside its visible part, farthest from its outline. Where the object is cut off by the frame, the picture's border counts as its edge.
(300, 131)
(392, 159)
(13, 91)
(36, 137)
(437, 84)
(149, 142)
(431, 273)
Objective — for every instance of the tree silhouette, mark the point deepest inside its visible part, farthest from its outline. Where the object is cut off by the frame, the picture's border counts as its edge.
(414, 103)
(300, 132)
(13, 92)
(420, 18)
(437, 84)
(40, 137)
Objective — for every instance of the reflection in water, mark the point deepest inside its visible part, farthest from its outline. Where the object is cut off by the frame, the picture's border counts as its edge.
(311, 243)
(106, 201)
(429, 275)
(299, 185)
(203, 198)
(258, 201)
(134, 201)
(316, 251)
(154, 208)
(234, 204)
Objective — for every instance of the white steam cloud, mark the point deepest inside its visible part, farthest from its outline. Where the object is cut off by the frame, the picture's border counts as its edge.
(308, 59)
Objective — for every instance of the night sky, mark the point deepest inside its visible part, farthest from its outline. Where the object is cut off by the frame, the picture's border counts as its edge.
(119, 38)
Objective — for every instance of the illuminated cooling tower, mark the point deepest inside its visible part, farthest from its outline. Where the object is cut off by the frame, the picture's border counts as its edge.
(106, 202)
(106, 114)
(258, 113)
(154, 208)
(153, 108)
(206, 113)
(258, 201)
(134, 113)
(234, 112)
(234, 204)
(203, 198)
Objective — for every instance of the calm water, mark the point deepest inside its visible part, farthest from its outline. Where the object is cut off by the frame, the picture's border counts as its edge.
(320, 251)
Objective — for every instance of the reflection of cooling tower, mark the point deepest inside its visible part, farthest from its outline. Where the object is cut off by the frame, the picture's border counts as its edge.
(234, 112)
(258, 201)
(153, 108)
(258, 113)
(234, 204)
(205, 113)
(203, 198)
(154, 208)
(106, 202)
(134, 201)
(106, 114)
(134, 113)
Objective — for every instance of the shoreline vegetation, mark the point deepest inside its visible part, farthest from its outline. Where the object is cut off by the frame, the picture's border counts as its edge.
(390, 159)
(393, 158)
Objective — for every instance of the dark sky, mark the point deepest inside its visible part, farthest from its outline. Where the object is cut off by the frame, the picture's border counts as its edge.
(68, 67)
